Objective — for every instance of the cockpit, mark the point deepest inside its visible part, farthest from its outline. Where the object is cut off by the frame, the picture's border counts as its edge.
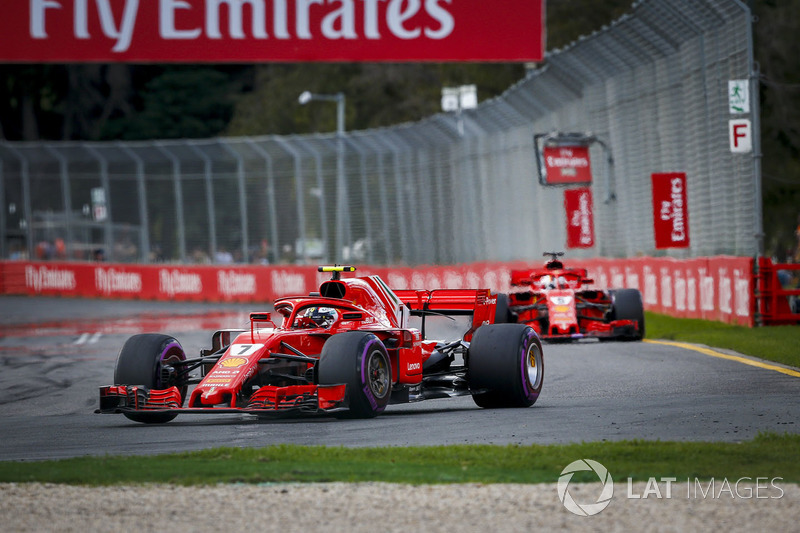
(315, 317)
(553, 282)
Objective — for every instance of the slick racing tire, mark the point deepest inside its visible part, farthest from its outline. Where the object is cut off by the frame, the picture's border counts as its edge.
(140, 363)
(627, 305)
(505, 366)
(359, 360)
(502, 314)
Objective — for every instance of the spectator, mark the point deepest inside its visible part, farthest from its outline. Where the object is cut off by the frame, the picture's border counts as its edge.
(45, 250)
(200, 257)
(797, 241)
(125, 250)
(60, 248)
(223, 257)
(156, 255)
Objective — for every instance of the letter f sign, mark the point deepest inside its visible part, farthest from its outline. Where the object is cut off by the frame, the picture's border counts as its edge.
(38, 7)
(740, 136)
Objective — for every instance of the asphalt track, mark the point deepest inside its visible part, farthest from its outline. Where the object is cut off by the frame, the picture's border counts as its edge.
(57, 352)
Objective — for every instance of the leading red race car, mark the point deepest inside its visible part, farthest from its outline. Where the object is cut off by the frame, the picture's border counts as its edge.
(347, 349)
(559, 305)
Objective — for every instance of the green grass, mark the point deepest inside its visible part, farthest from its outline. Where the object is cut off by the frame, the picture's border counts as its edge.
(768, 455)
(773, 343)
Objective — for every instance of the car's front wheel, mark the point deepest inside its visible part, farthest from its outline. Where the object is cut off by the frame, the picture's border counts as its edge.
(627, 305)
(359, 360)
(142, 361)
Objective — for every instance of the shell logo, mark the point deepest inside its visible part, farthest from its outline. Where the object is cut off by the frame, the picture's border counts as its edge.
(233, 362)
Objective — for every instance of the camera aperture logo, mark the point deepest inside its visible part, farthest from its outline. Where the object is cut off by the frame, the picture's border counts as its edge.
(759, 488)
(585, 508)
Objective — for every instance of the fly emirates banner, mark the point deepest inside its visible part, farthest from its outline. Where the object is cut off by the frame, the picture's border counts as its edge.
(193, 31)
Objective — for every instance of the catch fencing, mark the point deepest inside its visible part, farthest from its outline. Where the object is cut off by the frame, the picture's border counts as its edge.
(454, 188)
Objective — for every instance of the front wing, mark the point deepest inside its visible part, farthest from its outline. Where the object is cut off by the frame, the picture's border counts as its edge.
(268, 400)
(601, 330)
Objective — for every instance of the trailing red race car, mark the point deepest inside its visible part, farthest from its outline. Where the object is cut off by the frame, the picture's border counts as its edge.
(347, 349)
(557, 303)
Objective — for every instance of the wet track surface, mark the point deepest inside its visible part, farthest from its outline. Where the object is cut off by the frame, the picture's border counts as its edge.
(55, 353)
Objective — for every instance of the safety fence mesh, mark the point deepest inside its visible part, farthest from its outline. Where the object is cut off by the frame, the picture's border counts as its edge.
(454, 188)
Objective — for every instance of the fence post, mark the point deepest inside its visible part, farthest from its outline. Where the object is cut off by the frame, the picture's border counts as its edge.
(402, 216)
(383, 198)
(364, 198)
(212, 215)
(24, 172)
(3, 250)
(178, 187)
(141, 189)
(273, 218)
(107, 223)
(323, 207)
(242, 200)
(755, 103)
(299, 188)
(63, 170)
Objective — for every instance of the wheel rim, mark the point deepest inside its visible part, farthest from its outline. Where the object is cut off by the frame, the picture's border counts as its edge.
(533, 366)
(378, 374)
(166, 360)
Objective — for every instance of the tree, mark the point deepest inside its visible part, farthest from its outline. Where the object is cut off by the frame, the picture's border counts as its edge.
(180, 102)
(778, 54)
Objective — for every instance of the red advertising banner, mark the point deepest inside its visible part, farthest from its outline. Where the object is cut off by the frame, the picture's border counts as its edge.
(713, 288)
(580, 221)
(670, 210)
(218, 31)
(567, 164)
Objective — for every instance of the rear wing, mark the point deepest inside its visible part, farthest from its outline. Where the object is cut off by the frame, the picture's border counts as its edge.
(479, 303)
(522, 277)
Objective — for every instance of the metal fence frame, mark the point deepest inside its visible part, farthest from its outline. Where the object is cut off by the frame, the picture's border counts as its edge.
(453, 188)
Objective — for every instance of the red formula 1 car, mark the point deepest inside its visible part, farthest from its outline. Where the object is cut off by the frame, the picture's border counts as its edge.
(557, 303)
(347, 349)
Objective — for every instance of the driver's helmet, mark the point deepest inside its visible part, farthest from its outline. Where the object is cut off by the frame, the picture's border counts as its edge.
(562, 282)
(547, 282)
(323, 316)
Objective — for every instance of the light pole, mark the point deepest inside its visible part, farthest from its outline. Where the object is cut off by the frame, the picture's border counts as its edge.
(457, 99)
(341, 193)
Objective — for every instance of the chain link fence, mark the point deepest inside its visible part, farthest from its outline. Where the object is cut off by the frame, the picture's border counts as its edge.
(454, 188)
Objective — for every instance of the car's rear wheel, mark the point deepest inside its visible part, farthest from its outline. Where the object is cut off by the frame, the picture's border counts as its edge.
(627, 305)
(505, 366)
(141, 361)
(359, 360)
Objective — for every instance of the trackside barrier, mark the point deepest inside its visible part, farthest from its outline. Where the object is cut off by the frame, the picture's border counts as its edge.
(716, 288)
(777, 304)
